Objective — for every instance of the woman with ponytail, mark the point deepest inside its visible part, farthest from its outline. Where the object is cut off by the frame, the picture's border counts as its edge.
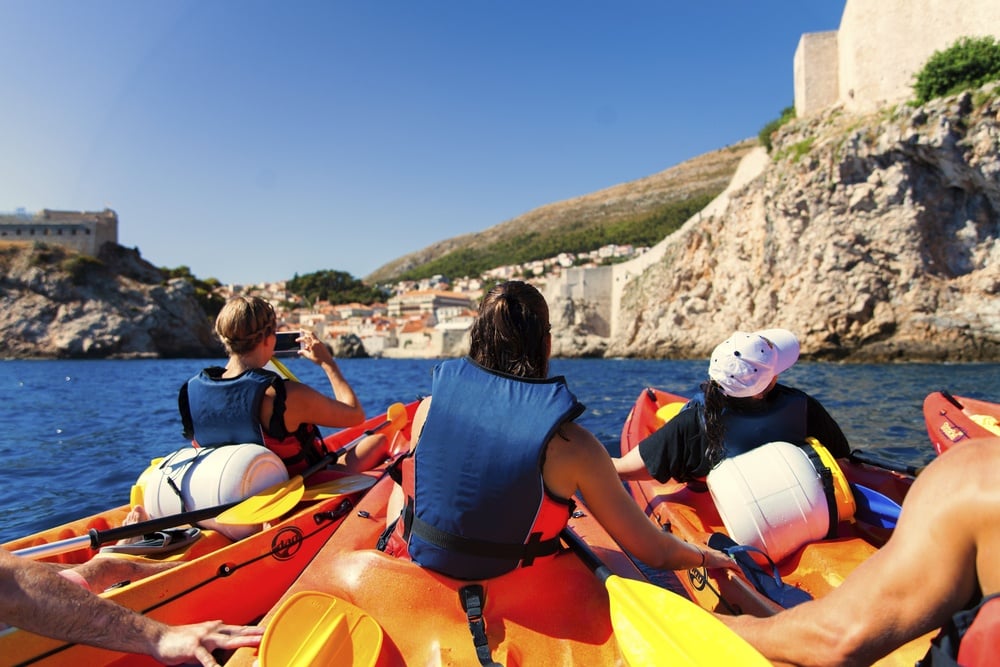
(741, 406)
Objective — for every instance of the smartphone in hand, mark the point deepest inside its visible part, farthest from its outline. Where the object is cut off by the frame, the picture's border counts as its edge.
(287, 343)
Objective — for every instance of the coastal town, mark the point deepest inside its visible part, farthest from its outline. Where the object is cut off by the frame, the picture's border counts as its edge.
(428, 318)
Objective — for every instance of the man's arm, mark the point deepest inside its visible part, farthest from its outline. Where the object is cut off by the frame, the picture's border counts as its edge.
(35, 598)
(924, 574)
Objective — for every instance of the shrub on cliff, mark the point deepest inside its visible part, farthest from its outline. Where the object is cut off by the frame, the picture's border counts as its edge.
(968, 63)
(787, 114)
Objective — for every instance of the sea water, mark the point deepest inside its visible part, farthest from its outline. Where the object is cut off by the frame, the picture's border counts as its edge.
(75, 435)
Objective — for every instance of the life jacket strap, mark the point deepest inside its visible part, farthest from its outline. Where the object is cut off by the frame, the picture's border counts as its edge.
(526, 552)
(473, 598)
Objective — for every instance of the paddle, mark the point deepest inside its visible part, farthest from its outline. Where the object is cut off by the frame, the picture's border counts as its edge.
(655, 626)
(94, 538)
(275, 500)
(859, 456)
(314, 628)
(283, 369)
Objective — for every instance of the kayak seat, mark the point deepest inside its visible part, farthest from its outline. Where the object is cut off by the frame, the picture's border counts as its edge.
(421, 611)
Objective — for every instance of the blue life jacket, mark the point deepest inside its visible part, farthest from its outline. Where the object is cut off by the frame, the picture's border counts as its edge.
(477, 481)
(226, 411)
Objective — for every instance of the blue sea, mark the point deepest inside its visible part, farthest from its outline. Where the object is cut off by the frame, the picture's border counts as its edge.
(77, 434)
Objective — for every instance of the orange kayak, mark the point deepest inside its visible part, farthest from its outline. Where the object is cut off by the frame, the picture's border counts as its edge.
(954, 419)
(215, 578)
(555, 612)
(816, 568)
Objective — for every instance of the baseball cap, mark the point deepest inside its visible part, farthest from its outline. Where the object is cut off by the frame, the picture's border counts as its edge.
(745, 363)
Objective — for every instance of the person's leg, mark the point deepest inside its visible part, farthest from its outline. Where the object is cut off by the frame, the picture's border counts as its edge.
(369, 453)
(100, 572)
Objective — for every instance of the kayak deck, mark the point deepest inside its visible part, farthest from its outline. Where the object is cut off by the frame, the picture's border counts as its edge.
(216, 578)
(953, 419)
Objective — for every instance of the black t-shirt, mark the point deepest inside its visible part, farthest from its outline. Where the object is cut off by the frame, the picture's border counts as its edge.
(677, 450)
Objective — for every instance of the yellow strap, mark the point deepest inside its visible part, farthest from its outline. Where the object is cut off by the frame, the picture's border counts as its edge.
(841, 487)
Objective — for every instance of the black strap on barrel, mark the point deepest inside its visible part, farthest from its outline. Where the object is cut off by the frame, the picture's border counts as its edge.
(826, 477)
(473, 599)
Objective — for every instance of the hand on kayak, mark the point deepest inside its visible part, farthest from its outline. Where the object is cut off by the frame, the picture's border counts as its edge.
(188, 643)
(715, 559)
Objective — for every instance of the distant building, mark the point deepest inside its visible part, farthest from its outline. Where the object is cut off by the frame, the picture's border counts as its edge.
(83, 231)
(426, 302)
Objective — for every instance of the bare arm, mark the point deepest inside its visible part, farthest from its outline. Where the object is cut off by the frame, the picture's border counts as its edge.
(631, 466)
(924, 574)
(306, 405)
(35, 598)
(576, 461)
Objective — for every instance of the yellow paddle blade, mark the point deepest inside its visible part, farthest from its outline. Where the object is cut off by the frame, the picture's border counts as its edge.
(396, 415)
(655, 626)
(266, 505)
(313, 628)
(283, 369)
(338, 487)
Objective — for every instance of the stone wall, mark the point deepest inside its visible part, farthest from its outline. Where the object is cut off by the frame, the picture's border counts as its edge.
(815, 70)
(879, 46)
(83, 231)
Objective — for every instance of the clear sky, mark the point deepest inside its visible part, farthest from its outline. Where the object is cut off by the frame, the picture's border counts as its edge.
(253, 140)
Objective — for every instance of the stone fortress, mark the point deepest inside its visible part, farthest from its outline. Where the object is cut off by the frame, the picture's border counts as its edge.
(868, 62)
(84, 231)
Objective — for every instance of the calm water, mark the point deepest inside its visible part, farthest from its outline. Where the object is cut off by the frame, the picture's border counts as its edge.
(77, 434)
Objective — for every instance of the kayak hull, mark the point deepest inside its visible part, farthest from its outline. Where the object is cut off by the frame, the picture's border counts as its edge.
(818, 567)
(216, 578)
(555, 612)
(952, 420)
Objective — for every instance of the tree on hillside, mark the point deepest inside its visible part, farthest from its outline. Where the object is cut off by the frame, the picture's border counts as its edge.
(337, 287)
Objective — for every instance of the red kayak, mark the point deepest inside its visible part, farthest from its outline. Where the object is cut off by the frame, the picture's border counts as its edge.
(953, 419)
(812, 570)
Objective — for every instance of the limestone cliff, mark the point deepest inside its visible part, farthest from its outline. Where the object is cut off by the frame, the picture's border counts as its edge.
(873, 237)
(57, 303)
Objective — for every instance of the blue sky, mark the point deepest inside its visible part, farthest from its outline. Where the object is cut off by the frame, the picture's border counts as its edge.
(253, 140)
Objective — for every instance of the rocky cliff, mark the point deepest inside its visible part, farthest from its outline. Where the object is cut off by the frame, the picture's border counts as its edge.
(57, 303)
(873, 237)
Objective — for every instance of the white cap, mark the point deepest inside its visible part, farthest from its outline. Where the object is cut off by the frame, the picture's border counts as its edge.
(745, 363)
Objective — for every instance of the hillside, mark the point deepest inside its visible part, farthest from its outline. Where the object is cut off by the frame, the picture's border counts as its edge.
(58, 303)
(873, 236)
(611, 208)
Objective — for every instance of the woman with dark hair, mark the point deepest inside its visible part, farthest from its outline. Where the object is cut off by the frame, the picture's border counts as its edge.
(741, 407)
(490, 483)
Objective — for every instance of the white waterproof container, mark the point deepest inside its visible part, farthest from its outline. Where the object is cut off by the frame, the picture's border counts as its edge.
(771, 497)
(207, 477)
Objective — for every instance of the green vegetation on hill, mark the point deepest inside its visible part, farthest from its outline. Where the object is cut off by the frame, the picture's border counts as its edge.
(968, 63)
(766, 132)
(337, 287)
(204, 290)
(644, 230)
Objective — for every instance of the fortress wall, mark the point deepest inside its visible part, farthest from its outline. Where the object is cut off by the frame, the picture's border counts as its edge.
(815, 72)
(883, 43)
(83, 231)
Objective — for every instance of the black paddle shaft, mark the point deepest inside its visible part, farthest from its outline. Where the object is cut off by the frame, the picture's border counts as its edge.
(859, 456)
(99, 537)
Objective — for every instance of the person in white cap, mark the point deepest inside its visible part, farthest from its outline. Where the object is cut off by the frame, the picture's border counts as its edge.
(741, 407)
